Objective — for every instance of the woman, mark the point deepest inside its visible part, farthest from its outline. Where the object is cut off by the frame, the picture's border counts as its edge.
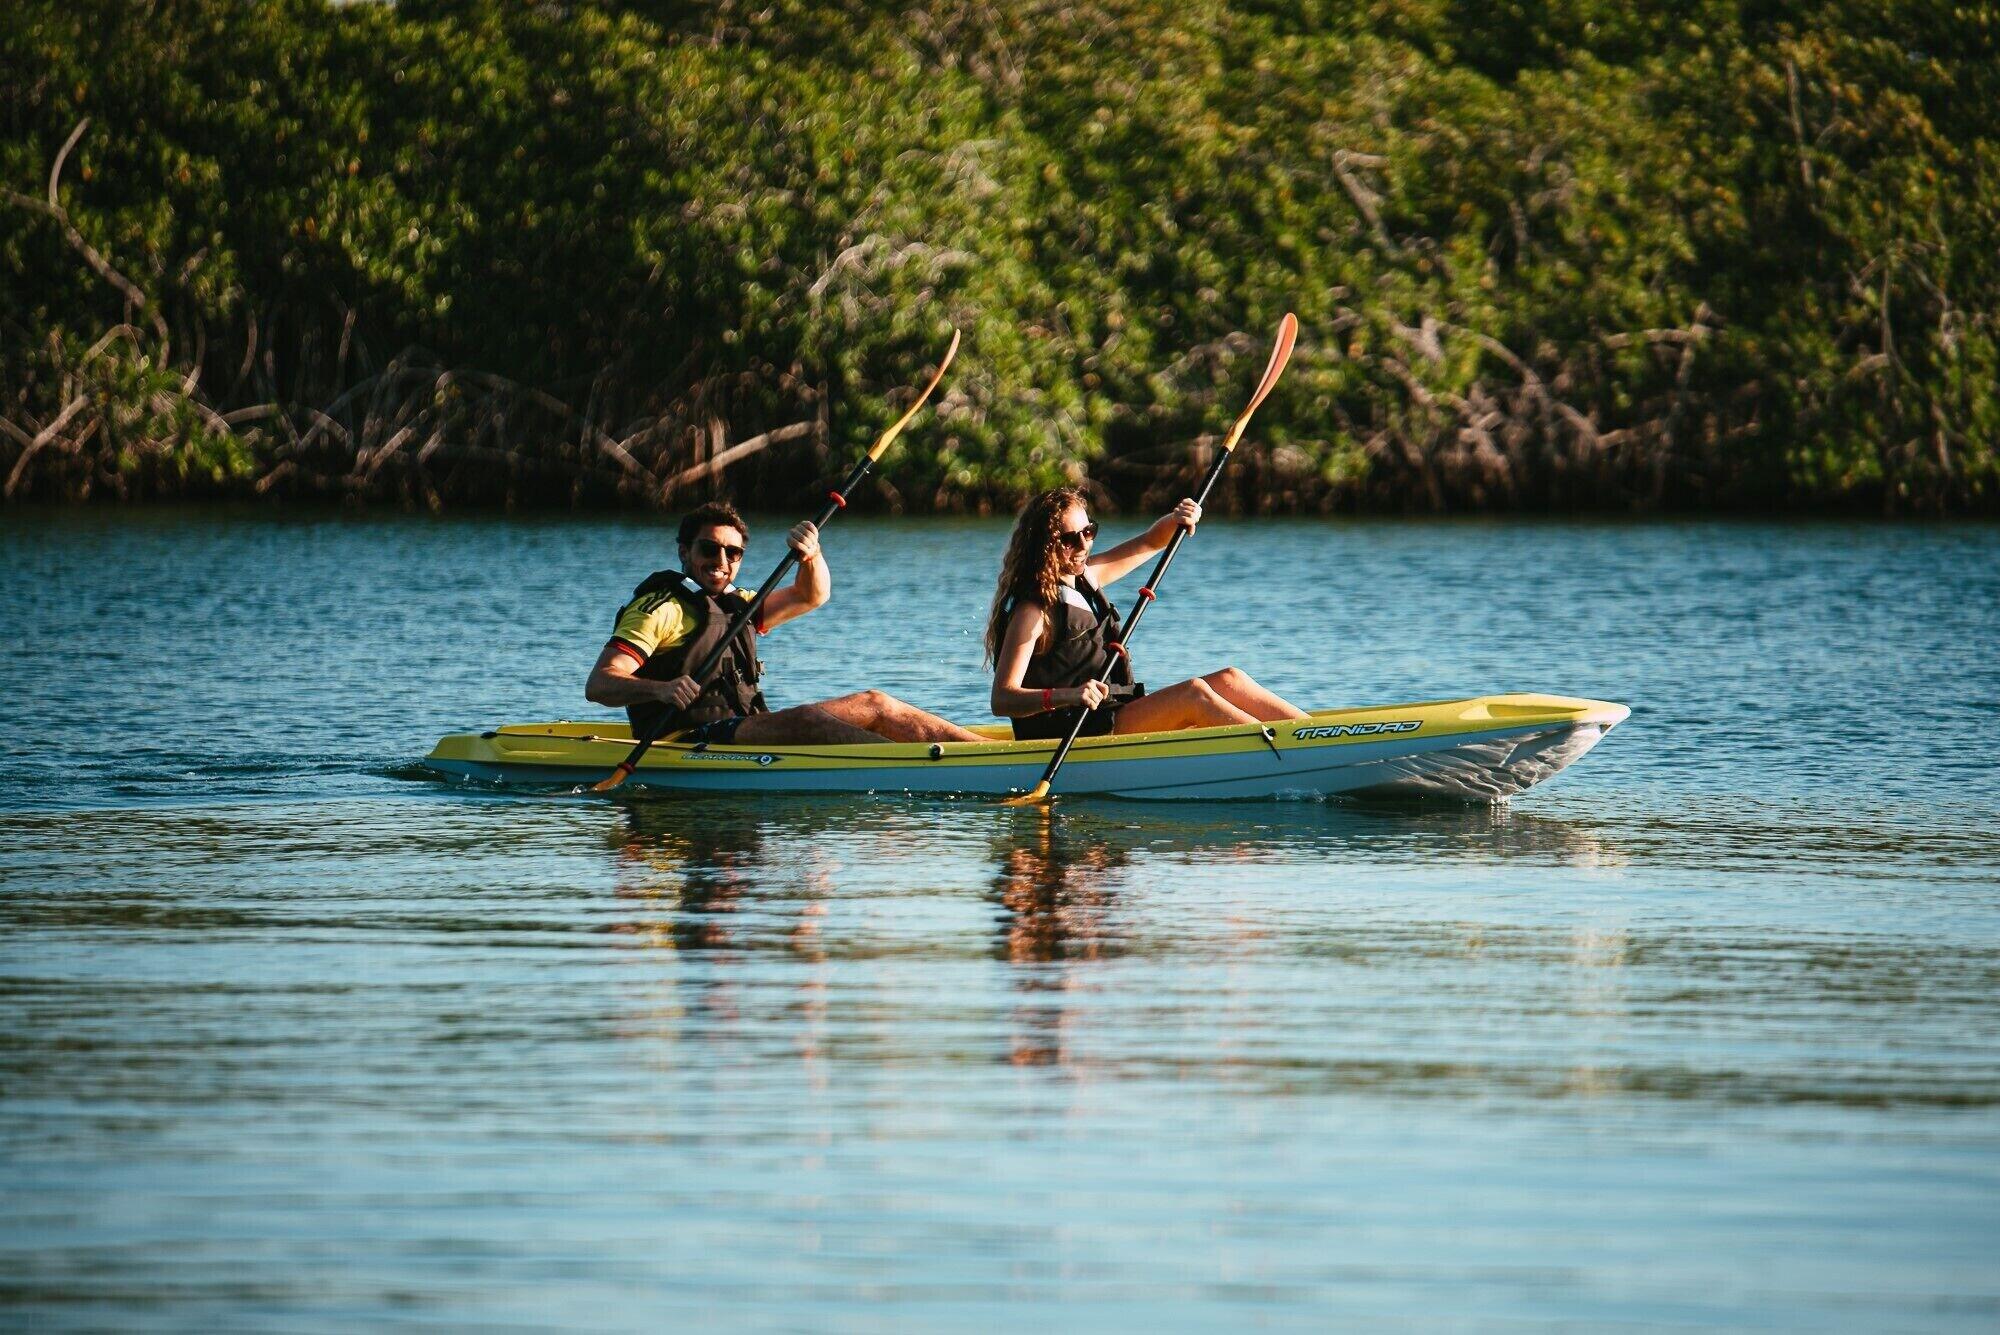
(1051, 627)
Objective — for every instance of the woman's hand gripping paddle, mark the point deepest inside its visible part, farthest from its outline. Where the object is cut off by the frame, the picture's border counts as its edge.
(1281, 353)
(835, 503)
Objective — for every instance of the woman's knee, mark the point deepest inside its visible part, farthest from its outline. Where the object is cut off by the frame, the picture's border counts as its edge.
(1229, 679)
(1191, 702)
(1203, 691)
(1211, 705)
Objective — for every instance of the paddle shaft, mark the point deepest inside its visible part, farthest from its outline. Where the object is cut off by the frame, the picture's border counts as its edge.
(1147, 592)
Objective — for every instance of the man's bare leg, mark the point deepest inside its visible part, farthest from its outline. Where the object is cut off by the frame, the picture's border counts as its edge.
(890, 719)
(801, 725)
(1236, 686)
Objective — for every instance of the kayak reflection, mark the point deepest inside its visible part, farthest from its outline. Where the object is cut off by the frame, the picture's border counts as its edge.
(1121, 833)
(1075, 887)
(1008, 918)
(740, 871)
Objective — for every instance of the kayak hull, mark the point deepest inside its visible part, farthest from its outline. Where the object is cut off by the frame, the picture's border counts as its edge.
(1476, 750)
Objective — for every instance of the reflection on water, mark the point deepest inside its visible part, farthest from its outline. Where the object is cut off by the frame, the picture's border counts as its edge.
(714, 1038)
(1705, 1033)
(1054, 889)
(1055, 905)
(1217, 917)
(700, 865)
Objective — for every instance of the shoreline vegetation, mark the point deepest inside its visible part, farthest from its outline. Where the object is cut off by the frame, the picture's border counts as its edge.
(1685, 257)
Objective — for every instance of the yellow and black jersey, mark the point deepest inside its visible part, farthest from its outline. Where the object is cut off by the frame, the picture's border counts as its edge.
(657, 620)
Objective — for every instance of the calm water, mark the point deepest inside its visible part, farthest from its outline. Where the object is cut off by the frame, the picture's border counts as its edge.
(1705, 1033)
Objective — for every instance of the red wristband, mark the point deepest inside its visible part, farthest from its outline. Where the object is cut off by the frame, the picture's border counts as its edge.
(1048, 697)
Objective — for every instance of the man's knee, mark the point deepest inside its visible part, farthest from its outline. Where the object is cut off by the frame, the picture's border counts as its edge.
(1228, 679)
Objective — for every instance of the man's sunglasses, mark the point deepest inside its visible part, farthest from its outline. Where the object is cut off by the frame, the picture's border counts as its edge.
(1077, 539)
(709, 547)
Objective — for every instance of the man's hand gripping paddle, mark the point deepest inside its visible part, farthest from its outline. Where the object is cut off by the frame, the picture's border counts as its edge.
(1281, 352)
(836, 502)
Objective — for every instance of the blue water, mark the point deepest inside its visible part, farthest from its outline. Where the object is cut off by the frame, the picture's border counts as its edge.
(1704, 1033)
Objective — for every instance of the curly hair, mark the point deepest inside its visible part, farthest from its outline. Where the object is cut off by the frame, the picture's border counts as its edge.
(713, 513)
(1031, 571)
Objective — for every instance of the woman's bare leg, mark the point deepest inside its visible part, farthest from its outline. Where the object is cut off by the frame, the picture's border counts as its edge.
(1185, 704)
(1235, 686)
(890, 719)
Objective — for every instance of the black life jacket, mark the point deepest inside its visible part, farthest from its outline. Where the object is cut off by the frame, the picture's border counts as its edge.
(733, 688)
(1079, 644)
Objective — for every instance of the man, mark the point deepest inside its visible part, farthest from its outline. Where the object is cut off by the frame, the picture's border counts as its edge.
(677, 617)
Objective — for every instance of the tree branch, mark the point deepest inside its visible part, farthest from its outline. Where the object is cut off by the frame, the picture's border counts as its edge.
(740, 450)
(52, 208)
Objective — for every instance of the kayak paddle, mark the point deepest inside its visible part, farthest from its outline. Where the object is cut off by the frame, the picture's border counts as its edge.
(1281, 352)
(836, 502)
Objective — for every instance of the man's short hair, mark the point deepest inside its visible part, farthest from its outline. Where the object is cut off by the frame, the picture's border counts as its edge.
(713, 513)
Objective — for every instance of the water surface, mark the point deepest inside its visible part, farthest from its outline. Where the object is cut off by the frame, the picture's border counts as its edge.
(1704, 1033)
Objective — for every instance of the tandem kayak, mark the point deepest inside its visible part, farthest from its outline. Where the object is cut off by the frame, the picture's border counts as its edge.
(1477, 750)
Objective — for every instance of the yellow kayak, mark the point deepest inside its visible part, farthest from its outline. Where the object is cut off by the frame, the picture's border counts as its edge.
(1478, 750)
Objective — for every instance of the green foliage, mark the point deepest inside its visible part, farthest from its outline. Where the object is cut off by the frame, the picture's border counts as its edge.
(1561, 255)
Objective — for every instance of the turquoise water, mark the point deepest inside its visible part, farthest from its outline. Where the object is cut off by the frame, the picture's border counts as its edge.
(1705, 1033)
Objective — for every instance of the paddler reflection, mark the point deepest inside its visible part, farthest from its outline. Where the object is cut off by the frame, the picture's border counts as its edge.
(699, 867)
(1077, 886)
(1055, 891)
(721, 888)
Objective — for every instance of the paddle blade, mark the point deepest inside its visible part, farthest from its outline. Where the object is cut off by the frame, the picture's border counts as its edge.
(1281, 354)
(612, 780)
(896, 429)
(1039, 793)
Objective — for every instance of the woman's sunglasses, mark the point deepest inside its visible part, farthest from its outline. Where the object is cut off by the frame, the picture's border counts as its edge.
(709, 547)
(1077, 539)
